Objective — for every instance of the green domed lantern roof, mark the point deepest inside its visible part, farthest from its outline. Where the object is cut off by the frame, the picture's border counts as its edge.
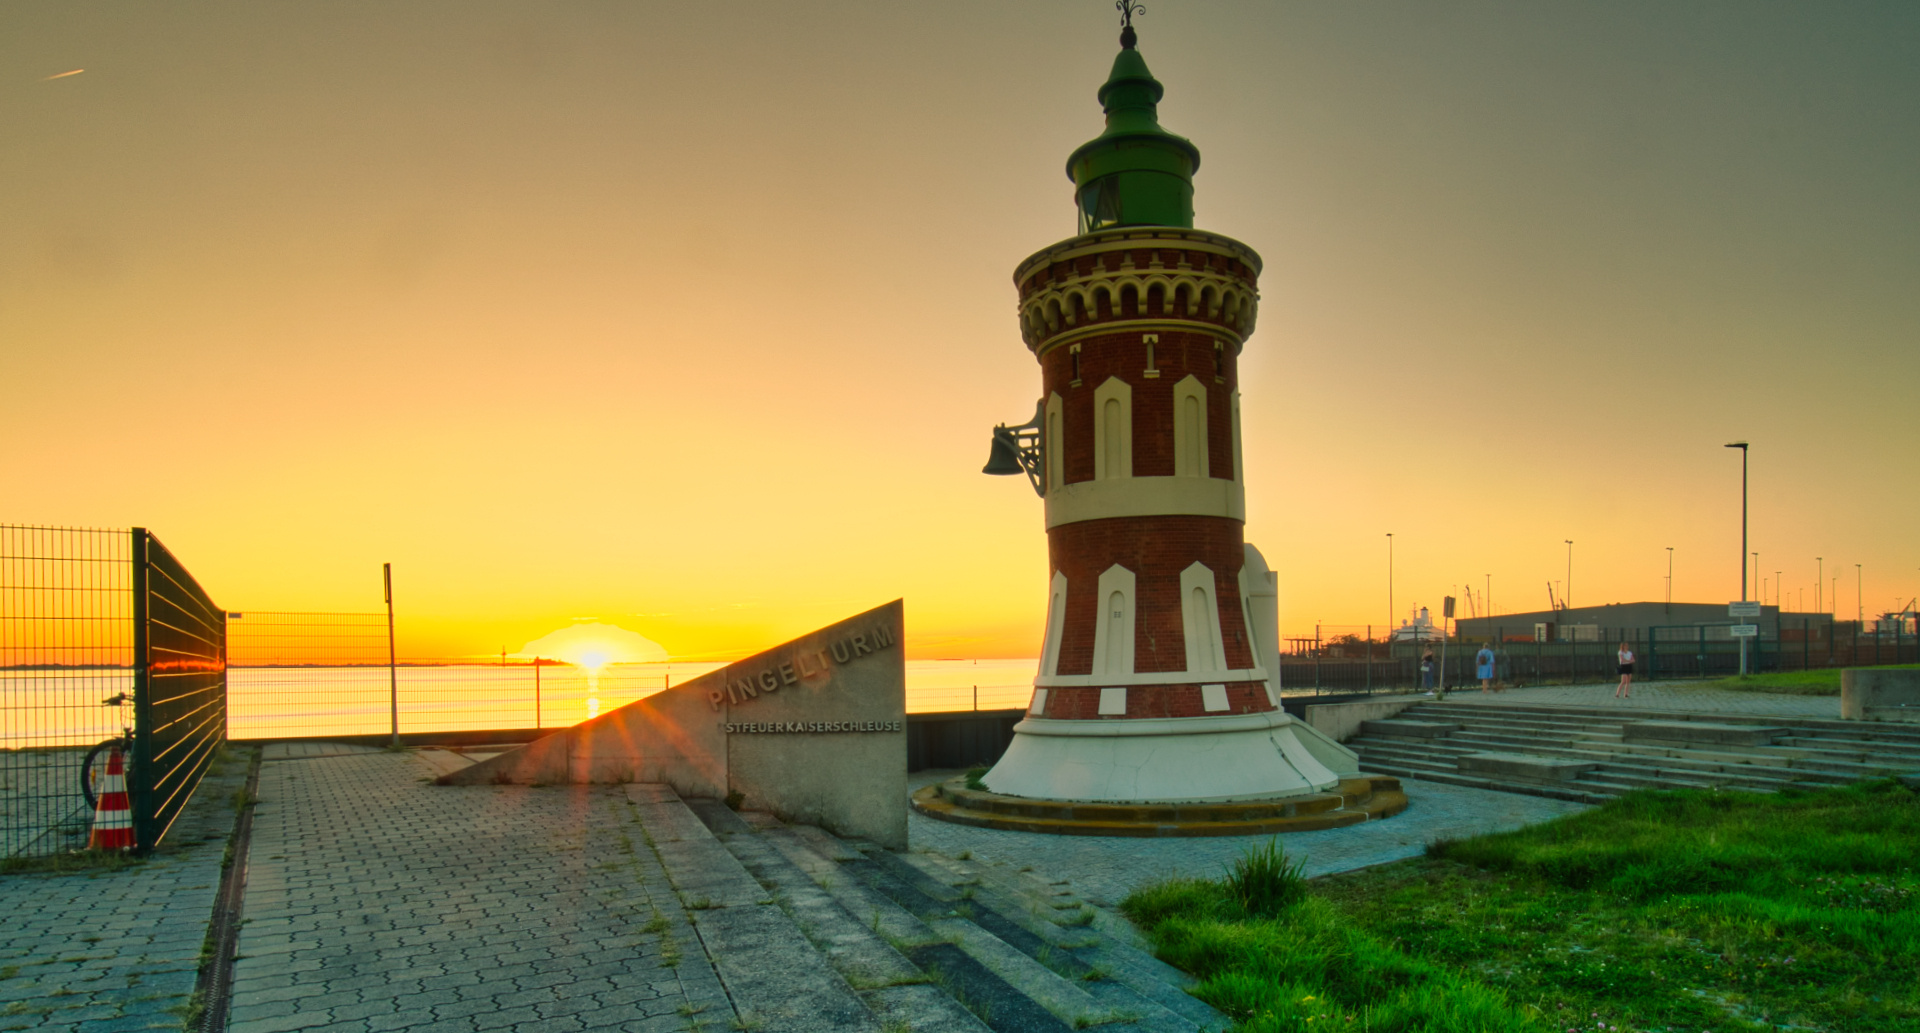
(1135, 173)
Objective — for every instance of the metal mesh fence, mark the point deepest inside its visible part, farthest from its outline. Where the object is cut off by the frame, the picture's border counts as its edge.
(309, 675)
(305, 675)
(66, 644)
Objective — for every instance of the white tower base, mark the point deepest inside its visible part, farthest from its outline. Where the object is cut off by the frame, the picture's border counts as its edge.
(1170, 760)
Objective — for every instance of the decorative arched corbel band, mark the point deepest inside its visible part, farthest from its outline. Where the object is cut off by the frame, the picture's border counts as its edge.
(1065, 287)
(1216, 300)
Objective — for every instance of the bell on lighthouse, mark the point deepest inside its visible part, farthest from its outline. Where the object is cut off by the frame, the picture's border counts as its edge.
(1004, 460)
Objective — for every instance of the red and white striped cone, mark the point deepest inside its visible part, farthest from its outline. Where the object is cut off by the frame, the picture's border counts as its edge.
(113, 817)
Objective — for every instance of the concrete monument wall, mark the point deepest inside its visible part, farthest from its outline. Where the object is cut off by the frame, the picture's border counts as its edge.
(813, 730)
(1863, 688)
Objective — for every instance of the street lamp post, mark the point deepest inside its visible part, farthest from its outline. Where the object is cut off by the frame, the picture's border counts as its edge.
(1390, 610)
(1859, 596)
(1566, 598)
(1742, 446)
(1669, 580)
(1820, 583)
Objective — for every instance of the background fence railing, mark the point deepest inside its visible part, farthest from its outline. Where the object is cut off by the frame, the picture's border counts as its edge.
(309, 675)
(1338, 660)
(88, 616)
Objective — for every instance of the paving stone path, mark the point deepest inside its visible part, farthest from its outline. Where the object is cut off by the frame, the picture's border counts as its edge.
(378, 902)
(1685, 696)
(1105, 869)
(115, 952)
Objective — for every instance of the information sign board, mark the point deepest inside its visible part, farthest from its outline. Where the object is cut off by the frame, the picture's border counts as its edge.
(1746, 631)
(1750, 608)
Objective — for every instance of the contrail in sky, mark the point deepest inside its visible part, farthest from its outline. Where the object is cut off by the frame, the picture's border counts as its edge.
(63, 75)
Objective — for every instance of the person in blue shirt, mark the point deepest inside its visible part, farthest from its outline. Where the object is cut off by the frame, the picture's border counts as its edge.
(1484, 660)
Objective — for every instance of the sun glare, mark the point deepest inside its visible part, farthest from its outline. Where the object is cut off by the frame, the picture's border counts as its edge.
(593, 645)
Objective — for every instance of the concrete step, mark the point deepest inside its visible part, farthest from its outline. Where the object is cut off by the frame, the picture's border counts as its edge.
(1118, 948)
(1887, 734)
(915, 941)
(1001, 945)
(1750, 757)
(1061, 941)
(1603, 775)
(1702, 733)
(891, 986)
(1862, 749)
(1645, 777)
(1722, 749)
(1790, 751)
(739, 927)
(1716, 766)
(1463, 717)
(1574, 792)
(1410, 729)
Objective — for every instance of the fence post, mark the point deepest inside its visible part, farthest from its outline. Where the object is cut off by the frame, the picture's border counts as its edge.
(140, 770)
(536, 693)
(393, 672)
(1369, 659)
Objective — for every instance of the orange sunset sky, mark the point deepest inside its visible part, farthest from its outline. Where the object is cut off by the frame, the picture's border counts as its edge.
(692, 318)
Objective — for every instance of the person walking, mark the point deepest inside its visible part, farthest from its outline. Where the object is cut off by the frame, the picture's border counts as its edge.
(1484, 660)
(1426, 672)
(1625, 691)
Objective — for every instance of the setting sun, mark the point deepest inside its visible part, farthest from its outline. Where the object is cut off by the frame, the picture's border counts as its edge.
(593, 645)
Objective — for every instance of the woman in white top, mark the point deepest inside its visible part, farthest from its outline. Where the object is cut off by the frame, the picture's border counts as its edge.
(1625, 691)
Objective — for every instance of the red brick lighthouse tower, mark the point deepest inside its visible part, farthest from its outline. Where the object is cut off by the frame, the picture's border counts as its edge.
(1158, 676)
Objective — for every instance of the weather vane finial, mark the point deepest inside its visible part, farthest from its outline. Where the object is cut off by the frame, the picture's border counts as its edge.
(1127, 9)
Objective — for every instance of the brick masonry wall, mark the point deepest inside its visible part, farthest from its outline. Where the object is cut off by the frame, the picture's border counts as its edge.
(1124, 355)
(1077, 704)
(1157, 549)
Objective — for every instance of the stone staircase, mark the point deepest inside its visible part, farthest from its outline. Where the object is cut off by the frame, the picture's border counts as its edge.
(1592, 754)
(807, 932)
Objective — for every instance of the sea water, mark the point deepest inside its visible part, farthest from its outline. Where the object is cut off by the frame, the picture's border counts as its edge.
(62, 707)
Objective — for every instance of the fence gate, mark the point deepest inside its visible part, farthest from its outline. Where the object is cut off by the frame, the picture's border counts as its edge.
(89, 616)
(179, 686)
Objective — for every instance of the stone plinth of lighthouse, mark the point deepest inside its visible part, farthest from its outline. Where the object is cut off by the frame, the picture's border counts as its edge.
(1159, 670)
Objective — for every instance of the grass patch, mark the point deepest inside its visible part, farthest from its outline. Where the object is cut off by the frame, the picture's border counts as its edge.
(1661, 911)
(1821, 681)
(1264, 883)
(973, 777)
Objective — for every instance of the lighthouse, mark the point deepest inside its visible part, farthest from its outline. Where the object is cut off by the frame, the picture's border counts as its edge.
(1158, 679)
